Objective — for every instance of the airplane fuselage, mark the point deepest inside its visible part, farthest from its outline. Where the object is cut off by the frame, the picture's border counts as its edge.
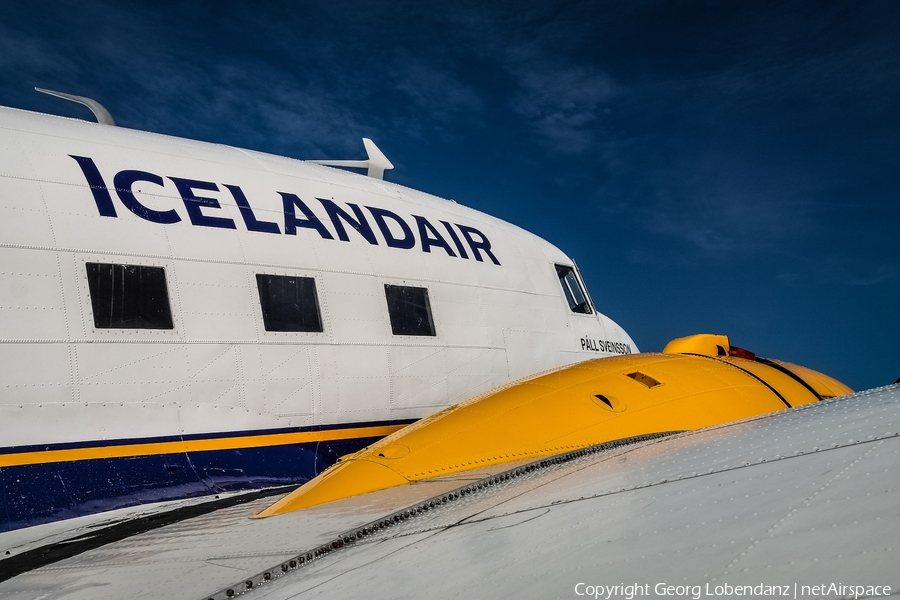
(179, 318)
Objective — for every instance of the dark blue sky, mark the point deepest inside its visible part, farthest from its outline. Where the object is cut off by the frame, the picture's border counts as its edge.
(715, 167)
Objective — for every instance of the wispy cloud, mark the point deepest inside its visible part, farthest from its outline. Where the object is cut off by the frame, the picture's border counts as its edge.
(190, 90)
(564, 103)
(433, 100)
(843, 271)
(718, 204)
(434, 88)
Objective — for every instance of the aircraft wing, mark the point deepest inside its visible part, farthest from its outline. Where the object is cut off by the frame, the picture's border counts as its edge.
(802, 497)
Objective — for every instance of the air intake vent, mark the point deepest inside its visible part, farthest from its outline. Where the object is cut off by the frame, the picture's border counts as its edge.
(603, 399)
(644, 379)
(608, 402)
(393, 451)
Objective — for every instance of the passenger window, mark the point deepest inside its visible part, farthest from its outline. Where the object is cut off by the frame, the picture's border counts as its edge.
(289, 303)
(572, 289)
(409, 310)
(129, 296)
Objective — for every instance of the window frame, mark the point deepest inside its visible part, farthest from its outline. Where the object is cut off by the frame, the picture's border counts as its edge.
(429, 312)
(317, 304)
(590, 309)
(94, 299)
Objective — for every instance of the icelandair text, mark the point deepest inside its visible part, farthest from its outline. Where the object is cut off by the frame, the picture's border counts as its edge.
(203, 208)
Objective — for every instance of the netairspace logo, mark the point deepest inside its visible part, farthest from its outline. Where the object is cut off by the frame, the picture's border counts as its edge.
(695, 592)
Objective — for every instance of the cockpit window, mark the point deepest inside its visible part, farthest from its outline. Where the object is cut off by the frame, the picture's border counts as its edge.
(575, 295)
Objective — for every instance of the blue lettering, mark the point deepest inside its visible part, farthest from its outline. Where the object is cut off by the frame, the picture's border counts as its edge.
(360, 224)
(379, 215)
(430, 237)
(434, 240)
(455, 238)
(484, 244)
(98, 186)
(194, 204)
(124, 182)
(291, 222)
(250, 219)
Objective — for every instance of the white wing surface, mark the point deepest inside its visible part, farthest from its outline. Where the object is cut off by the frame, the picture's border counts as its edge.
(803, 497)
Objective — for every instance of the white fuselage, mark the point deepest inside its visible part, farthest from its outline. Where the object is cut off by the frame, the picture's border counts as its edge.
(218, 369)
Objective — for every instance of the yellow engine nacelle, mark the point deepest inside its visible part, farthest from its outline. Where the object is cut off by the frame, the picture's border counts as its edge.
(696, 382)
